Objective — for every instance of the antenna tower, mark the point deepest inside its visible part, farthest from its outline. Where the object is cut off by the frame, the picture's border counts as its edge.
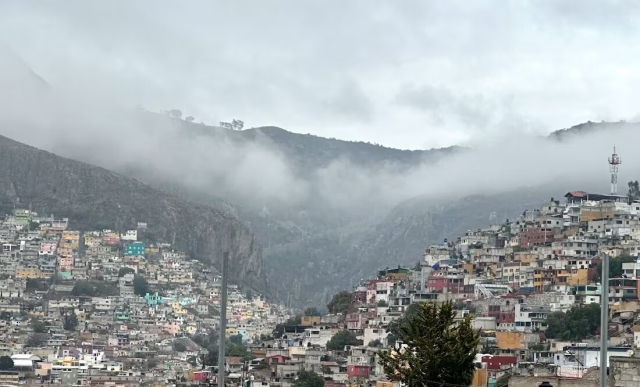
(614, 161)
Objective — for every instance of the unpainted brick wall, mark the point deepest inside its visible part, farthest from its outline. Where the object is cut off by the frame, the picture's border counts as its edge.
(624, 372)
(535, 382)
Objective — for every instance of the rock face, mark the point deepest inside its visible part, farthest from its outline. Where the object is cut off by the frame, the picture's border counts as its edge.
(94, 197)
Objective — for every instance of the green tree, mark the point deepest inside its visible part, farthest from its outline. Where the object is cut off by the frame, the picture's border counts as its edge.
(70, 322)
(634, 190)
(37, 284)
(37, 339)
(6, 363)
(179, 346)
(236, 339)
(577, 324)
(341, 339)
(210, 359)
(208, 341)
(278, 332)
(439, 350)
(382, 303)
(340, 302)
(152, 363)
(124, 271)
(36, 225)
(308, 379)
(193, 361)
(375, 343)
(615, 266)
(311, 312)
(394, 327)
(38, 326)
(140, 285)
(83, 288)
(240, 350)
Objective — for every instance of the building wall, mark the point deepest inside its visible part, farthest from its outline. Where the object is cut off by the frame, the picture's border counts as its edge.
(509, 340)
(624, 372)
(518, 381)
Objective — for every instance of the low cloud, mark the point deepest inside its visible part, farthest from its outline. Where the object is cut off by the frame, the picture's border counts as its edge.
(253, 170)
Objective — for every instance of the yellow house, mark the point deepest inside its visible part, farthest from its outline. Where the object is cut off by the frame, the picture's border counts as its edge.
(70, 239)
(30, 273)
(524, 257)
(310, 321)
(578, 277)
(92, 240)
(191, 329)
(510, 340)
(231, 331)
(151, 249)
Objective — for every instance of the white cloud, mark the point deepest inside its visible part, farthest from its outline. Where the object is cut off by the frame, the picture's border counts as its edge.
(335, 68)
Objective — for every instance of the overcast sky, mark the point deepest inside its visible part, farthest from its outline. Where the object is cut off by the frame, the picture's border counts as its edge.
(406, 74)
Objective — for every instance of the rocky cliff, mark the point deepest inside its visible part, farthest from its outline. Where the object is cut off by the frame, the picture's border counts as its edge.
(94, 197)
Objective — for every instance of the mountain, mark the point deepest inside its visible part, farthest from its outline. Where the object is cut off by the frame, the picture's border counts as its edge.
(327, 211)
(94, 197)
(591, 128)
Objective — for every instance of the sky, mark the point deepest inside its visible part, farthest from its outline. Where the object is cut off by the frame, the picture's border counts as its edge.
(405, 74)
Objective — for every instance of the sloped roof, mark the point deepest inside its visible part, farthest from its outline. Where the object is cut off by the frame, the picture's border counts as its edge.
(576, 194)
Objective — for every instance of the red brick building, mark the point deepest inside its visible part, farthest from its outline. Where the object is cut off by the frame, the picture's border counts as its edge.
(537, 237)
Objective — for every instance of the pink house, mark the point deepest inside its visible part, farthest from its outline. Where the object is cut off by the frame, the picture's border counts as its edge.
(114, 240)
(48, 247)
(65, 261)
(173, 328)
(361, 371)
(278, 359)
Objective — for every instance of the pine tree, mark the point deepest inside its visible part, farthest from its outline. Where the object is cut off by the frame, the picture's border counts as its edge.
(435, 349)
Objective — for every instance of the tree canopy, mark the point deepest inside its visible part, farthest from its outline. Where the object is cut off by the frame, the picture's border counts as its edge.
(311, 312)
(308, 379)
(278, 332)
(94, 289)
(577, 324)
(341, 339)
(394, 327)
(38, 326)
(236, 339)
(615, 266)
(125, 270)
(436, 348)
(340, 302)
(179, 346)
(634, 190)
(6, 363)
(140, 285)
(70, 322)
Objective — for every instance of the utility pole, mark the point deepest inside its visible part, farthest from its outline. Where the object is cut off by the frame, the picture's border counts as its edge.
(223, 319)
(604, 320)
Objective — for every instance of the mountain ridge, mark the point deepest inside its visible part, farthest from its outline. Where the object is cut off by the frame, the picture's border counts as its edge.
(93, 197)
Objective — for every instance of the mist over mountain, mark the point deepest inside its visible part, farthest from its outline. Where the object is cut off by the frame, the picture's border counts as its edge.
(94, 198)
(326, 212)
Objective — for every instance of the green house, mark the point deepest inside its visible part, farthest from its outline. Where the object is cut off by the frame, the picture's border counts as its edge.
(134, 249)
(121, 316)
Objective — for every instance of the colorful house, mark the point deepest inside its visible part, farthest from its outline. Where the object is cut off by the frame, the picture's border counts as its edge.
(154, 299)
(22, 217)
(121, 316)
(134, 249)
